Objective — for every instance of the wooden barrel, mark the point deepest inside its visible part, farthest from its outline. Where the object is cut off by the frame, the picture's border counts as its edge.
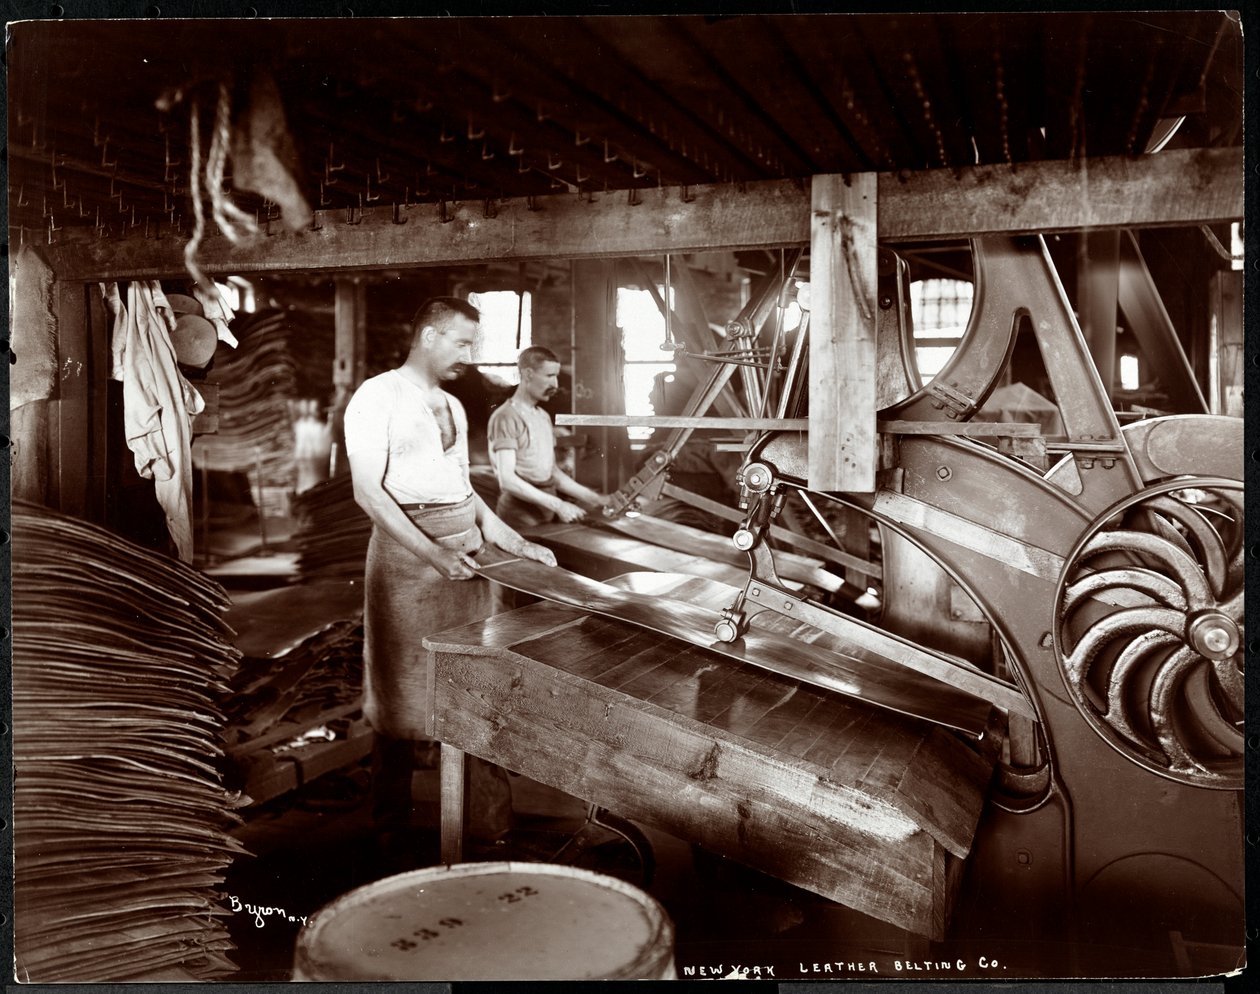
(489, 921)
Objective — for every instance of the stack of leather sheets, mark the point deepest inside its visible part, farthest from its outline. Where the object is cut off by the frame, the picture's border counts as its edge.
(323, 673)
(120, 658)
(256, 380)
(332, 531)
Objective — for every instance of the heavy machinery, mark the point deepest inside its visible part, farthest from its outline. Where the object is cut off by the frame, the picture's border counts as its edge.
(1108, 564)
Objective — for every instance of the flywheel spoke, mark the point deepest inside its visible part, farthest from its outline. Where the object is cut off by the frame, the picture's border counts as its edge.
(1183, 568)
(1106, 582)
(1212, 554)
(1120, 696)
(1151, 629)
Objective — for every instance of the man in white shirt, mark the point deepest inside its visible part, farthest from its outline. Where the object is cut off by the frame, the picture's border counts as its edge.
(407, 442)
(522, 443)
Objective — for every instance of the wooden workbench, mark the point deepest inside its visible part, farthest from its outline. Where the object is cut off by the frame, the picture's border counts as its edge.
(852, 802)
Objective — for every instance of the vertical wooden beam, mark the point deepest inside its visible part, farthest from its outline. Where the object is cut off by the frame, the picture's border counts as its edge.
(1098, 278)
(598, 366)
(70, 413)
(349, 356)
(451, 772)
(843, 445)
(29, 451)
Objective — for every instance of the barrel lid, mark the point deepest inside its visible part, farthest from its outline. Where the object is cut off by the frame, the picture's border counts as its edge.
(489, 921)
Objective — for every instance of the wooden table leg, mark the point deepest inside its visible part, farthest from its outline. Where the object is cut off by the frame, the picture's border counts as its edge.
(452, 801)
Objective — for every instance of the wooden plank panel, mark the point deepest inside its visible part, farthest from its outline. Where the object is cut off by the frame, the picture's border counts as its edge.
(843, 445)
(745, 709)
(650, 655)
(1181, 187)
(719, 685)
(695, 782)
(72, 405)
(557, 227)
(843, 725)
(666, 667)
(946, 781)
(589, 648)
(777, 723)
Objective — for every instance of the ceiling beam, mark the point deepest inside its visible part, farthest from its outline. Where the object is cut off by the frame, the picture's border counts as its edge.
(1174, 188)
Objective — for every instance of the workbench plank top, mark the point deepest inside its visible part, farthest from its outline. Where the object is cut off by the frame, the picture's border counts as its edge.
(825, 737)
(828, 665)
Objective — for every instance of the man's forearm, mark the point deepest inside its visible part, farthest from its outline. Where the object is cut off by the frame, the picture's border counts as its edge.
(387, 515)
(570, 487)
(513, 484)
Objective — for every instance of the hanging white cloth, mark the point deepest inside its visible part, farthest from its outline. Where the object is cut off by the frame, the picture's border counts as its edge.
(158, 403)
(217, 311)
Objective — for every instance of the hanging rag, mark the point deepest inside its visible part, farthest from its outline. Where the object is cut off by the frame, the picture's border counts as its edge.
(158, 403)
(33, 336)
(264, 158)
(217, 311)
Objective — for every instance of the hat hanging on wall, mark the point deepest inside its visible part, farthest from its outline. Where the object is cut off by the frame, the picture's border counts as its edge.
(194, 338)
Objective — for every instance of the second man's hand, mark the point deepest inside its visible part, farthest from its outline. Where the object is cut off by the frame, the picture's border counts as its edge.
(568, 513)
(538, 553)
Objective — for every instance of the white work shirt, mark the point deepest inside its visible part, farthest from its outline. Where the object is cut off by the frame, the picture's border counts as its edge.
(388, 414)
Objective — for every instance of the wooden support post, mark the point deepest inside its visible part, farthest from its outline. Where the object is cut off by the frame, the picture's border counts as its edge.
(451, 787)
(350, 345)
(70, 412)
(1098, 262)
(598, 365)
(29, 451)
(843, 447)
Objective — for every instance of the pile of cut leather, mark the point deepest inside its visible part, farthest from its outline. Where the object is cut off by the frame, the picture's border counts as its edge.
(322, 673)
(120, 658)
(332, 531)
(257, 381)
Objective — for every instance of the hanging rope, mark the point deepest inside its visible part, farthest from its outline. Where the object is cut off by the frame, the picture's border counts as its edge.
(194, 180)
(237, 226)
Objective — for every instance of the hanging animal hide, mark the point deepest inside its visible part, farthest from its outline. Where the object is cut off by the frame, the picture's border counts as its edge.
(264, 158)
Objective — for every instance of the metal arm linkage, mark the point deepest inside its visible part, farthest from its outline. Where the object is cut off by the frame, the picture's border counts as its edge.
(763, 494)
(743, 355)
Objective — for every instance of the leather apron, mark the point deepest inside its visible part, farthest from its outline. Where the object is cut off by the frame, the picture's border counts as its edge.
(406, 599)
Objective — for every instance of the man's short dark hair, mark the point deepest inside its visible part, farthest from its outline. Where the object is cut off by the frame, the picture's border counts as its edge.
(437, 310)
(534, 356)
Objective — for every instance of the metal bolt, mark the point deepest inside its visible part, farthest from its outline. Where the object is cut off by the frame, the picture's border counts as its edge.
(944, 472)
(1216, 639)
(787, 605)
(755, 592)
